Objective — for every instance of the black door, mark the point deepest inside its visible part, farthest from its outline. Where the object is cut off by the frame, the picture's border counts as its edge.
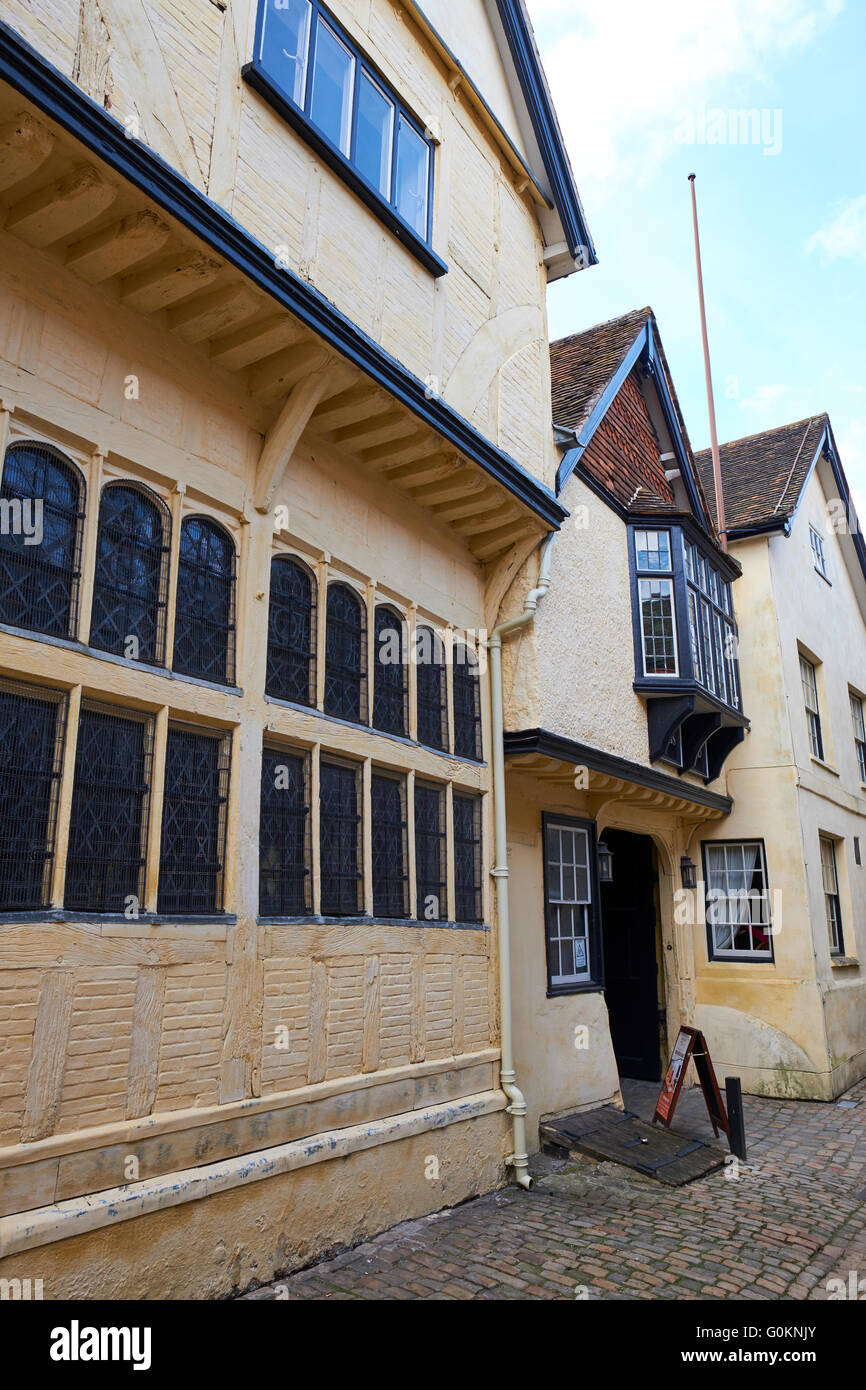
(630, 963)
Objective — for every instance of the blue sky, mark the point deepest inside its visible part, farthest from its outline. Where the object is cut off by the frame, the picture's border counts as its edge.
(783, 233)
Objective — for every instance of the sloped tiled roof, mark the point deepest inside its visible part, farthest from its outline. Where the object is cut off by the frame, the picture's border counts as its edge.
(582, 367)
(583, 364)
(763, 474)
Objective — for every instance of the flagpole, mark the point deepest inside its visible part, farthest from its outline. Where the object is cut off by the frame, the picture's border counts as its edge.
(714, 438)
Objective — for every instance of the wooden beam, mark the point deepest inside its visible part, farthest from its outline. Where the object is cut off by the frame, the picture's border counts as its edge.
(464, 487)
(25, 144)
(386, 456)
(51, 213)
(211, 313)
(478, 525)
(143, 1066)
(171, 279)
(357, 403)
(48, 1057)
(390, 427)
(485, 548)
(429, 470)
(254, 341)
(279, 373)
(474, 504)
(283, 436)
(117, 248)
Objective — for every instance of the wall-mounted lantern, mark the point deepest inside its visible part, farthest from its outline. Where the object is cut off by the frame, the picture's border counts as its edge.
(689, 872)
(605, 863)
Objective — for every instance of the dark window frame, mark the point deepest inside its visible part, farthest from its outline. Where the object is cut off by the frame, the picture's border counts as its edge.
(65, 623)
(440, 834)
(468, 662)
(45, 812)
(269, 86)
(156, 656)
(462, 890)
(111, 798)
(168, 863)
(595, 983)
(336, 667)
(230, 580)
(737, 957)
(358, 905)
(390, 713)
(273, 880)
(431, 689)
(391, 885)
(280, 563)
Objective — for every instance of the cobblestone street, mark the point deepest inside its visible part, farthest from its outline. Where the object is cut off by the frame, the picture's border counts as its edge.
(793, 1219)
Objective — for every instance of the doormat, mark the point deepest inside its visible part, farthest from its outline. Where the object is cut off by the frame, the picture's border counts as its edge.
(618, 1136)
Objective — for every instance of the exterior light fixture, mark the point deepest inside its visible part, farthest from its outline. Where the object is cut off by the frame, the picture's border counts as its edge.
(689, 872)
(605, 863)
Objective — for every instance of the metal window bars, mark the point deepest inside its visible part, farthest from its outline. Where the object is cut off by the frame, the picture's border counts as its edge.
(345, 655)
(390, 684)
(291, 673)
(431, 876)
(204, 635)
(390, 846)
(432, 696)
(130, 583)
(284, 834)
(467, 859)
(32, 734)
(342, 877)
(467, 704)
(195, 799)
(106, 858)
(41, 527)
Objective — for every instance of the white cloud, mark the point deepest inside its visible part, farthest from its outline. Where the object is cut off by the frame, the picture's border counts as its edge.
(624, 73)
(765, 399)
(844, 236)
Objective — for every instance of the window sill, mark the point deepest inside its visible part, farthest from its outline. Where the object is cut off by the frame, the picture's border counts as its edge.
(828, 767)
(256, 77)
(44, 915)
(564, 991)
(71, 644)
(368, 728)
(845, 962)
(313, 921)
(827, 581)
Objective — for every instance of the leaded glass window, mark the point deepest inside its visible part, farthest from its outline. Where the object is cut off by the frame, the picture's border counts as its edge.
(204, 634)
(467, 859)
(195, 798)
(292, 633)
(284, 835)
(345, 655)
(467, 704)
(738, 899)
(41, 519)
(131, 575)
(432, 690)
(105, 863)
(390, 688)
(340, 837)
(32, 727)
(390, 852)
(658, 627)
(431, 853)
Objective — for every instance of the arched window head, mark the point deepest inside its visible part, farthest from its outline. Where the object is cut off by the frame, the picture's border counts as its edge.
(390, 687)
(131, 577)
(345, 655)
(432, 689)
(41, 518)
(292, 632)
(204, 633)
(467, 704)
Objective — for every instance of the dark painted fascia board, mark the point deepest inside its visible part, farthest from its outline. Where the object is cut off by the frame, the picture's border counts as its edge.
(566, 750)
(23, 68)
(760, 528)
(546, 128)
(659, 378)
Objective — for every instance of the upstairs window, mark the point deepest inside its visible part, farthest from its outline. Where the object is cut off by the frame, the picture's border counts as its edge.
(310, 69)
(859, 727)
(204, 630)
(830, 881)
(130, 583)
(819, 557)
(712, 632)
(390, 689)
(810, 701)
(467, 704)
(41, 520)
(292, 633)
(656, 602)
(346, 655)
(431, 689)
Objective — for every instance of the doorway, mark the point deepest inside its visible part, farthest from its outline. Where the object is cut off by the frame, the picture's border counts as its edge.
(631, 963)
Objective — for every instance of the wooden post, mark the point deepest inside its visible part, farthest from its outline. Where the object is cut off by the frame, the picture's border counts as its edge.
(64, 803)
(88, 548)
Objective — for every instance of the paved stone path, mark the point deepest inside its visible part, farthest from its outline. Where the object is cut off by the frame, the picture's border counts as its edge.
(793, 1218)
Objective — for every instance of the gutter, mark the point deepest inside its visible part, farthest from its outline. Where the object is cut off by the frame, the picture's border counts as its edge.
(519, 1159)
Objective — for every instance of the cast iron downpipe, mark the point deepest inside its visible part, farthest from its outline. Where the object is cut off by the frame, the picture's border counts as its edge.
(519, 1159)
